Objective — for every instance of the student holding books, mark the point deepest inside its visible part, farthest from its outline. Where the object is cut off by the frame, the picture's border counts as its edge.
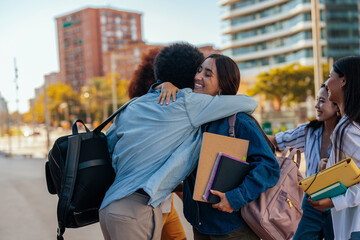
(220, 75)
(344, 88)
(313, 139)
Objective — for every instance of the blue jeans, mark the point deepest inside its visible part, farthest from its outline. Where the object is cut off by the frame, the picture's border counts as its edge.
(314, 224)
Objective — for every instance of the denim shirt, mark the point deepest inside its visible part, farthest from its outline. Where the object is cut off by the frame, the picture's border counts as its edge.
(155, 147)
(264, 174)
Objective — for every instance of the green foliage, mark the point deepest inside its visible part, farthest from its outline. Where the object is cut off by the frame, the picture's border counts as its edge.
(287, 85)
(100, 96)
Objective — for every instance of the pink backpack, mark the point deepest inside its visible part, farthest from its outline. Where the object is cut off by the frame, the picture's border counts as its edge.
(275, 215)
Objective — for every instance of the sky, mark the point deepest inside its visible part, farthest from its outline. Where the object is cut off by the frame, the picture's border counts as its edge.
(28, 33)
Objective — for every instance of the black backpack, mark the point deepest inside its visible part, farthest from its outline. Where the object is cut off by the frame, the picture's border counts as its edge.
(79, 171)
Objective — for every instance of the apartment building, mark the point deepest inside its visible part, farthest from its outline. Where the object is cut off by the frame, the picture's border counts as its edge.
(264, 34)
(85, 35)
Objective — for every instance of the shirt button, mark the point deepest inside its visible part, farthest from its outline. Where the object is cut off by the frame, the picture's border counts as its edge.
(199, 223)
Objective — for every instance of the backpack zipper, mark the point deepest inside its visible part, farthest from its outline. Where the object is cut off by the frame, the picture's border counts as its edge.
(292, 205)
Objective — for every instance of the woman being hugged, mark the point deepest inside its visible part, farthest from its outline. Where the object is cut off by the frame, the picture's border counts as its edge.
(344, 87)
(313, 138)
(220, 75)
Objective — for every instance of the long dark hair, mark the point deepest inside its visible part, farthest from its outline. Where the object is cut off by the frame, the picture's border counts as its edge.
(349, 67)
(315, 124)
(228, 74)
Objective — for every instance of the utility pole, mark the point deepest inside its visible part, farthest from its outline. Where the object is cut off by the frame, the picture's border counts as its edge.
(317, 51)
(47, 119)
(17, 104)
(8, 128)
(113, 82)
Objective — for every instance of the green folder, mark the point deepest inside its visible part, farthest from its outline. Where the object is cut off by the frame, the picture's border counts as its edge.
(333, 190)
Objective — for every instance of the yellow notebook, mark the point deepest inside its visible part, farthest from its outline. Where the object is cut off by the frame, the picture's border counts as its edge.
(344, 171)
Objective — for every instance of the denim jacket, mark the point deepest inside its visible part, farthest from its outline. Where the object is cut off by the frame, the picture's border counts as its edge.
(264, 174)
(155, 147)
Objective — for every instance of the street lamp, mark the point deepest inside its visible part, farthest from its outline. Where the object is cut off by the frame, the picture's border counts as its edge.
(88, 116)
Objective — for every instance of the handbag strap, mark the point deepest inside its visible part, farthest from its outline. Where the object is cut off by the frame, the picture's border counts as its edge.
(68, 182)
(104, 123)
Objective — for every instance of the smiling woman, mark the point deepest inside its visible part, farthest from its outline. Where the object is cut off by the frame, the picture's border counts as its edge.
(313, 139)
(217, 75)
(206, 78)
(344, 87)
(220, 75)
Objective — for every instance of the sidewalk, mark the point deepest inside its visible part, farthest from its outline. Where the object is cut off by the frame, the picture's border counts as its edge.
(28, 211)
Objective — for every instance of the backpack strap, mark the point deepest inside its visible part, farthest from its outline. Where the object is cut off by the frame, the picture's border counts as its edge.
(104, 123)
(68, 182)
(231, 121)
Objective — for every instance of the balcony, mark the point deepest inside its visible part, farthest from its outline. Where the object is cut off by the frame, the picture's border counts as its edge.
(299, 27)
(251, 9)
(301, 8)
(302, 44)
(227, 2)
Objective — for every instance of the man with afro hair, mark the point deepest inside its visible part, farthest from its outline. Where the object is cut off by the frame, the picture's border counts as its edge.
(154, 147)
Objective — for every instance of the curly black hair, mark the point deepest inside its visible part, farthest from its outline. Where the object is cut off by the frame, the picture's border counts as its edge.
(177, 64)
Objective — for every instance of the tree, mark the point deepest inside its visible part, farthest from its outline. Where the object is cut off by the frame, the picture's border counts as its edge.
(100, 95)
(287, 85)
(62, 103)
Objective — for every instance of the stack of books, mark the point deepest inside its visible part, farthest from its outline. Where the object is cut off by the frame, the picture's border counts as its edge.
(332, 181)
(228, 173)
(213, 162)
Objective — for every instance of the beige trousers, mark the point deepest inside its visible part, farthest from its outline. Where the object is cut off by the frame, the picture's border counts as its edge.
(131, 218)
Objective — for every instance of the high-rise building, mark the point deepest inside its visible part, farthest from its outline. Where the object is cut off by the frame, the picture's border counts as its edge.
(264, 34)
(84, 36)
(342, 28)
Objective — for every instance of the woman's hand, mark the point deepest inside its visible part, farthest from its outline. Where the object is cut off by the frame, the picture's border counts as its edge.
(224, 204)
(322, 204)
(179, 190)
(322, 163)
(168, 90)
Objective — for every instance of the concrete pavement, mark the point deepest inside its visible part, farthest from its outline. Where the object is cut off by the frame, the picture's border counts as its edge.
(28, 211)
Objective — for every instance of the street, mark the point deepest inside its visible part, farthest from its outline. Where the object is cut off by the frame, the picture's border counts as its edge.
(28, 211)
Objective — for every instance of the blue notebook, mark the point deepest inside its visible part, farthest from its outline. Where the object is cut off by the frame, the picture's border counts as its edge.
(333, 190)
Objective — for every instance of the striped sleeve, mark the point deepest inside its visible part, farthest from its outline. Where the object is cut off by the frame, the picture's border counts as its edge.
(292, 138)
